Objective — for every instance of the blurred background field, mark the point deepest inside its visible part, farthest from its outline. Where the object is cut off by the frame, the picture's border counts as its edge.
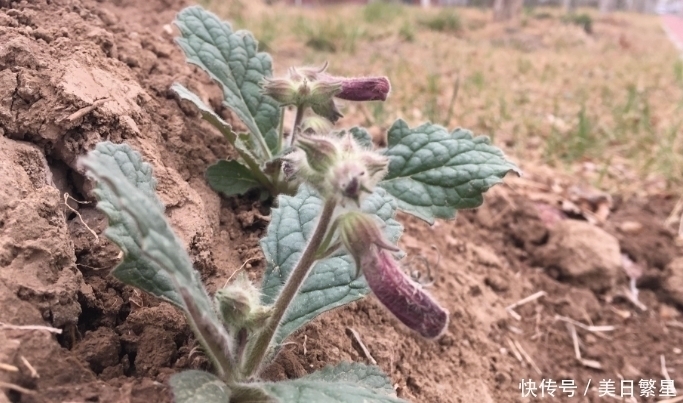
(590, 94)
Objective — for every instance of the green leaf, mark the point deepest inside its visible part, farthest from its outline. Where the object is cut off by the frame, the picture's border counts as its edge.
(273, 141)
(231, 178)
(210, 116)
(198, 387)
(345, 383)
(232, 59)
(362, 137)
(126, 167)
(355, 373)
(433, 173)
(331, 283)
(155, 259)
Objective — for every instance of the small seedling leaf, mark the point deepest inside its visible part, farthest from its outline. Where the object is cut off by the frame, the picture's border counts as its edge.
(199, 387)
(433, 173)
(355, 373)
(232, 59)
(345, 383)
(331, 283)
(230, 178)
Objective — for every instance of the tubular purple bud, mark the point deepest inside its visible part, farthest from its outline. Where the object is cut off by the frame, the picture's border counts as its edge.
(404, 298)
(363, 239)
(364, 88)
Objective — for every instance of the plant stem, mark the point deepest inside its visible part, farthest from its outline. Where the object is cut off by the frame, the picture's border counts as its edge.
(281, 130)
(297, 122)
(265, 150)
(260, 346)
(247, 157)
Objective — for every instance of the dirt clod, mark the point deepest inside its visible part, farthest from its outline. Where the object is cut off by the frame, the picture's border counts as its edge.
(100, 348)
(583, 254)
(673, 284)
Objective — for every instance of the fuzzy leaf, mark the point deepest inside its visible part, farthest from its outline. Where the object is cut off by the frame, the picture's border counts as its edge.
(125, 167)
(355, 373)
(232, 59)
(210, 116)
(362, 137)
(345, 383)
(198, 387)
(331, 283)
(230, 178)
(433, 173)
(155, 259)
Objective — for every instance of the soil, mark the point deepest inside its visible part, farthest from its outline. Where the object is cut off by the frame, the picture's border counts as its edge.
(58, 57)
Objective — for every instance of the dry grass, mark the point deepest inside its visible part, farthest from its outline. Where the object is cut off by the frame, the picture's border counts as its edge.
(607, 104)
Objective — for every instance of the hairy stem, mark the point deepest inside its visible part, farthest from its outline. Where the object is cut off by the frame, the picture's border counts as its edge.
(281, 130)
(260, 346)
(265, 150)
(248, 158)
(258, 173)
(297, 122)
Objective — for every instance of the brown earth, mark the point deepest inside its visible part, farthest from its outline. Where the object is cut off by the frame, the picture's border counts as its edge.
(58, 57)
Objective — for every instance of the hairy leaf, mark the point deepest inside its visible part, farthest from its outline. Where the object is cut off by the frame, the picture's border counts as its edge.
(361, 136)
(331, 283)
(370, 377)
(125, 167)
(345, 383)
(212, 117)
(433, 173)
(155, 259)
(198, 387)
(232, 59)
(230, 178)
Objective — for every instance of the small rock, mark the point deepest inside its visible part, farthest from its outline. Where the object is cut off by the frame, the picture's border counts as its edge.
(667, 312)
(630, 227)
(486, 256)
(496, 283)
(673, 283)
(582, 254)
(107, 17)
(44, 34)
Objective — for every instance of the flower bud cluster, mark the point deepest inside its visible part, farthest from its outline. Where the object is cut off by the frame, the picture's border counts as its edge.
(239, 305)
(337, 167)
(311, 87)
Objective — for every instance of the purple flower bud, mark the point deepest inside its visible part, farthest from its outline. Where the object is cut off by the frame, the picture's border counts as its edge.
(361, 236)
(402, 296)
(364, 88)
